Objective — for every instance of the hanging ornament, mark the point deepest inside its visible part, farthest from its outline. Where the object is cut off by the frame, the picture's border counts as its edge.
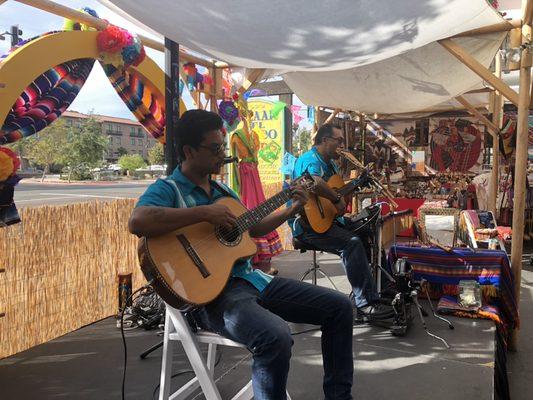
(277, 108)
(229, 114)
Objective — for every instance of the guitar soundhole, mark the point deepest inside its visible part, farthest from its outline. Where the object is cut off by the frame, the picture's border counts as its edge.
(228, 237)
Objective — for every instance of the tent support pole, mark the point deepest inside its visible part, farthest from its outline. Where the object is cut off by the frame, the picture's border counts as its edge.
(520, 175)
(497, 119)
(472, 110)
(332, 115)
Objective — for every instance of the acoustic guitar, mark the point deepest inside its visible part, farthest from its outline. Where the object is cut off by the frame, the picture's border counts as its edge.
(321, 212)
(190, 266)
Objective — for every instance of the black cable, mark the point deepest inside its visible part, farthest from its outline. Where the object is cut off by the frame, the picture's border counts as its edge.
(130, 297)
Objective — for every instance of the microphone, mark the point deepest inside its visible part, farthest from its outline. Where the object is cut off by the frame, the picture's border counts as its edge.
(229, 160)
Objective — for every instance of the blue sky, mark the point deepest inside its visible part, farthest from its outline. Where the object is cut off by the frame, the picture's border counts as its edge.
(97, 94)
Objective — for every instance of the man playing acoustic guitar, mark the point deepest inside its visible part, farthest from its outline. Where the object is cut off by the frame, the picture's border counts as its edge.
(253, 307)
(339, 238)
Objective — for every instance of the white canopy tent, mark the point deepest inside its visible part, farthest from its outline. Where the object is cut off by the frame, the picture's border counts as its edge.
(358, 56)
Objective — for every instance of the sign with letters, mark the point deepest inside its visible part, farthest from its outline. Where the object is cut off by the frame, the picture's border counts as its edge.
(271, 133)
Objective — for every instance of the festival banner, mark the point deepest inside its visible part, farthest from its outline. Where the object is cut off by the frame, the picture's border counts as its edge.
(271, 133)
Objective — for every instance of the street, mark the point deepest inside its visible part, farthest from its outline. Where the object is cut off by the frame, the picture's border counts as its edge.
(38, 194)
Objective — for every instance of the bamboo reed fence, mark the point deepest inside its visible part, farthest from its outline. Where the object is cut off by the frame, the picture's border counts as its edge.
(61, 269)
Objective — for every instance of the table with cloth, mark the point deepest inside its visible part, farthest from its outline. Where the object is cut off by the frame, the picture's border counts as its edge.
(491, 268)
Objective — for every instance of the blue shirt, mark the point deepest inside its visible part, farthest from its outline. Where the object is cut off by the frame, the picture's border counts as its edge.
(314, 164)
(163, 193)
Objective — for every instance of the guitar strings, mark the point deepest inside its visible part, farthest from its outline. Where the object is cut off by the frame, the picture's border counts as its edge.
(239, 227)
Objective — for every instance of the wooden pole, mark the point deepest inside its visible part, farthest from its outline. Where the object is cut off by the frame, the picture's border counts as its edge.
(332, 115)
(484, 120)
(520, 176)
(249, 80)
(462, 55)
(100, 24)
(497, 119)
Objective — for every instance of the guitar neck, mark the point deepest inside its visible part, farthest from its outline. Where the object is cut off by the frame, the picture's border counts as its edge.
(254, 216)
(349, 187)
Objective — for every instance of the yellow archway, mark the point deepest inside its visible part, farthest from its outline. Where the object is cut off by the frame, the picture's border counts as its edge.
(30, 61)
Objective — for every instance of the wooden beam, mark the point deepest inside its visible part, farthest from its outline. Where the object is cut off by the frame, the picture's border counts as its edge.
(497, 119)
(528, 12)
(462, 55)
(499, 27)
(332, 115)
(483, 90)
(520, 176)
(253, 76)
(484, 120)
(100, 24)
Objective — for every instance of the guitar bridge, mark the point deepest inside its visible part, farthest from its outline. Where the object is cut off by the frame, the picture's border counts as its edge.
(320, 206)
(193, 255)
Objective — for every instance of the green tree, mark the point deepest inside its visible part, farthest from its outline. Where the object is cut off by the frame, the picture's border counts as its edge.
(46, 148)
(156, 155)
(301, 141)
(130, 162)
(21, 147)
(86, 147)
(122, 151)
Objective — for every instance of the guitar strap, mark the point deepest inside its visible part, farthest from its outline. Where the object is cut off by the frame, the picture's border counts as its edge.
(182, 200)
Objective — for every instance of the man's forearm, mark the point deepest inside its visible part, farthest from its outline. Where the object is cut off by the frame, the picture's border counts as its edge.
(155, 221)
(271, 222)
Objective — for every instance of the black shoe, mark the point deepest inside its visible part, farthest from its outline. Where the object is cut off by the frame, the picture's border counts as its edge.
(374, 312)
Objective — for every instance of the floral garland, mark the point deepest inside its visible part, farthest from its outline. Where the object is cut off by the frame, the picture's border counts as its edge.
(119, 47)
(9, 164)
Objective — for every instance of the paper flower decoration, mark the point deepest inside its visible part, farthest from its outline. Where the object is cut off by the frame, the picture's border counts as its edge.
(9, 163)
(112, 39)
(228, 112)
(120, 47)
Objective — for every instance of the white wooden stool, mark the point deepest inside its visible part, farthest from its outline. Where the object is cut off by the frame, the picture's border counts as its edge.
(177, 329)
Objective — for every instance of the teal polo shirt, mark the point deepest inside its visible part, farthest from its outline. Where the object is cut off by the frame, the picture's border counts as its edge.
(163, 193)
(314, 164)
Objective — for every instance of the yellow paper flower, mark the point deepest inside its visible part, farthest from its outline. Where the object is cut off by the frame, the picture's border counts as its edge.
(6, 166)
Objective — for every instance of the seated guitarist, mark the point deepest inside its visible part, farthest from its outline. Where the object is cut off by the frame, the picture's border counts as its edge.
(254, 307)
(339, 238)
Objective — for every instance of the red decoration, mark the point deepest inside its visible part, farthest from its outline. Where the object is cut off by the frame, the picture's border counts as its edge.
(235, 96)
(112, 39)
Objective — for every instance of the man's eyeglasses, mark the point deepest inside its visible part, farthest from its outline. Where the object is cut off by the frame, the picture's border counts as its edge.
(215, 148)
(340, 140)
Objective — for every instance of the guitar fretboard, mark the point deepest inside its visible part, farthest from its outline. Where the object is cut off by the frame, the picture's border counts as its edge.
(252, 217)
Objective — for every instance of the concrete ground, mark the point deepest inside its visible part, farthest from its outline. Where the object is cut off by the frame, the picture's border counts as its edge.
(520, 363)
(87, 364)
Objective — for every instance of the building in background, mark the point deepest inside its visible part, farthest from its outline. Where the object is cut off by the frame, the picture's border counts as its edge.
(122, 133)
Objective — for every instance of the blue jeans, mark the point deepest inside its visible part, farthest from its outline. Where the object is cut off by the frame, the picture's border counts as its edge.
(257, 320)
(340, 240)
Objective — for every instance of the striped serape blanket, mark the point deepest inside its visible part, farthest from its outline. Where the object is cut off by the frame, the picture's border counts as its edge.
(488, 267)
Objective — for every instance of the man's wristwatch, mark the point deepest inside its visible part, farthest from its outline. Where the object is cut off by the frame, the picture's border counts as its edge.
(336, 201)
